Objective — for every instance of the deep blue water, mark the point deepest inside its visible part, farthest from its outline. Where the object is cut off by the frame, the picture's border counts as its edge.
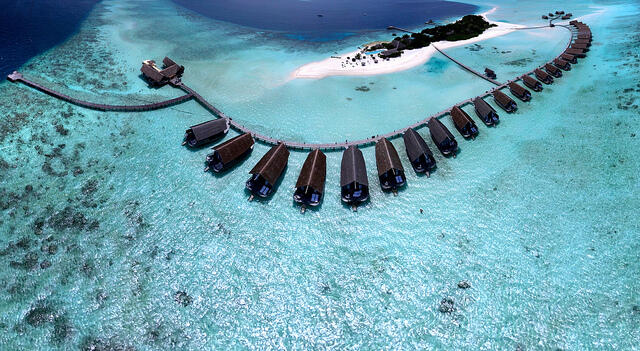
(29, 27)
(313, 20)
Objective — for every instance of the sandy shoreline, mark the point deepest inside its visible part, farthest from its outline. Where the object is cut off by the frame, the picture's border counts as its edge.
(410, 58)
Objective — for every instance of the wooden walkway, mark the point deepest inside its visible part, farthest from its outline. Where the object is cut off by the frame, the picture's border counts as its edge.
(18, 77)
(467, 67)
(192, 94)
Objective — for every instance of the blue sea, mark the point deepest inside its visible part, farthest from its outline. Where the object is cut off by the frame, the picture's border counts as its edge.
(113, 238)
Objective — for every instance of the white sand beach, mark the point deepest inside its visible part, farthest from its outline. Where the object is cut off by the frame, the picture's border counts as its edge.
(335, 66)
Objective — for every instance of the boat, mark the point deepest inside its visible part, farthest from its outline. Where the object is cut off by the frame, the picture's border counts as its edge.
(562, 64)
(504, 101)
(519, 91)
(543, 76)
(553, 70)
(485, 112)
(419, 154)
(354, 184)
(265, 174)
(310, 184)
(206, 132)
(442, 137)
(532, 83)
(463, 123)
(390, 170)
(229, 153)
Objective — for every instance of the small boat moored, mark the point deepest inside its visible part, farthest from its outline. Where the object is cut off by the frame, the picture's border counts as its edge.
(354, 184)
(206, 132)
(519, 91)
(562, 64)
(310, 184)
(419, 154)
(390, 170)
(463, 123)
(267, 171)
(504, 101)
(230, 152)
(532, 83)
(442, 137)
(485, 112)
(543, 76)
(553, 70)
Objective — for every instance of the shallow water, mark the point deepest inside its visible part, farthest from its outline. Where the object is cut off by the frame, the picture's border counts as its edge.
(146, 251)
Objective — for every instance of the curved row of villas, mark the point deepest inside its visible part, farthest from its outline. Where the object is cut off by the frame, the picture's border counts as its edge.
(354, 183)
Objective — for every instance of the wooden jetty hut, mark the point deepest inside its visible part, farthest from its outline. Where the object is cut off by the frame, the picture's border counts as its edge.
(419, 154)
(519, 91)
(206, 132)
(229, 153)
(586, 42)
(504, 101)
(442, 137)
(354, 184)
(562, 64)
(532, 83)
(575, 52)
(310, 184)
(543, 76)
(267, 171)
(490, 73)
(390, 170)
(583, 47)
(485, 112)
(569, 58)
(463, 123)
(553, 70)
(158, 77)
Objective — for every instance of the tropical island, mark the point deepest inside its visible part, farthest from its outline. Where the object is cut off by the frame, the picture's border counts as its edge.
(407, 51)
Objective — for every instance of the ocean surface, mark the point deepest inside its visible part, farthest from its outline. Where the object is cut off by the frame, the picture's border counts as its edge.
(113, 238)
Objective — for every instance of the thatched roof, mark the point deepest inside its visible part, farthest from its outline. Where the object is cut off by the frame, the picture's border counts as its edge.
(210, 128)
(168, 62)
(151, 73)
(459, 117)
(569, 58)
(551, 68)
(234, 148)
(517, 88)
(353, 168)
(502, 98)
(387, 157)
(438, 131)
(529, 80)
(272, 164)
(314, 171)
(482, 107)
(542, 74)
(415, 145)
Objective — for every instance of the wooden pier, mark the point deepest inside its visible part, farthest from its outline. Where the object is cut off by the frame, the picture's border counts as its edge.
(337, 146)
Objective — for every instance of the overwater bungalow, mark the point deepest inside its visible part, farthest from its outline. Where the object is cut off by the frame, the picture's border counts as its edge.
(583, 41)
(519, 91)
(582, 47)
(485, 112)
(490, 73)
(562, 64)
(310, 184)
(419, 154)
(354, 184)
(504, 101)
(566, 17)
(206, 132)
(442, 137)
(553, 70)
(532, 83)
(158, 77)
(463, 123)
(229, 153)
(267, 171)
(543, 76)
(569, 58)
(584, 36)
(390, 170)
(575, 52)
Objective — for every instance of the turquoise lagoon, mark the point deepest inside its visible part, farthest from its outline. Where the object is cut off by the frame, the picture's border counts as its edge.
(114, 238)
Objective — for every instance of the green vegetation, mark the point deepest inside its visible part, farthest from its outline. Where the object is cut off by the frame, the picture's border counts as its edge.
(468, 27)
